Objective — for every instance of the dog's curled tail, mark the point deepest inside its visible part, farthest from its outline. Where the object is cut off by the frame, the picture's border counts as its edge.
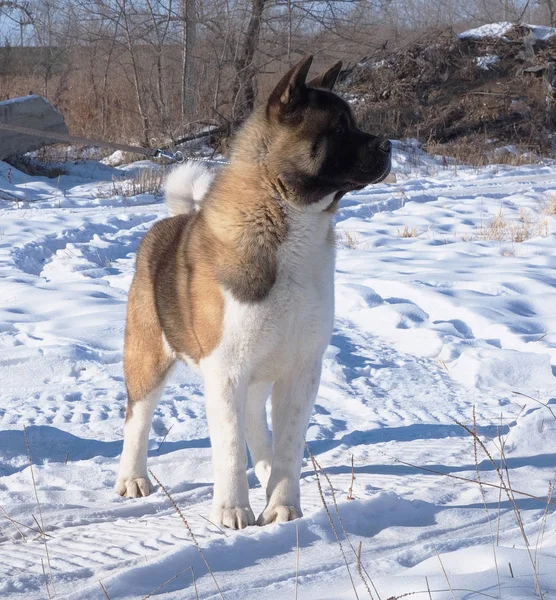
(186, 187)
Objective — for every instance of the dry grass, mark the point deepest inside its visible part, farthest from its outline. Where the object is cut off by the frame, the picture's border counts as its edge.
(477, 152)
(357, 553)
(406, 232)
(350, 490)
(495, 230)
(503, 473)
(433, 90)
(364, 575)
(505, 486)
(193, 537)
(550, 208)
(49, 581)
(525, 227)
(348, 238)
(317, 468)
(104, 590)
(145, 181)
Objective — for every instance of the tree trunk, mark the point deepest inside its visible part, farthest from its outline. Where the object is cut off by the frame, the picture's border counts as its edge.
(189, 87)
(244, 86)
(551, 12)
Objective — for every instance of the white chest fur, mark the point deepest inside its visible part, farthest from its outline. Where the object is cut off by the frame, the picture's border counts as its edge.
(294, 323)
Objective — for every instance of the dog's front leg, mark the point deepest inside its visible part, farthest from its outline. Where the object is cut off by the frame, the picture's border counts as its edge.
(225, 401)
(292, 404)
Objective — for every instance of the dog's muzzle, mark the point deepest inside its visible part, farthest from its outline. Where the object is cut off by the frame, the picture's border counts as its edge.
(385, 148)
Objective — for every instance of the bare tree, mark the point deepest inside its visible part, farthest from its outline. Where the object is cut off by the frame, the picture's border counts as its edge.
(244, 90)
(189, 28)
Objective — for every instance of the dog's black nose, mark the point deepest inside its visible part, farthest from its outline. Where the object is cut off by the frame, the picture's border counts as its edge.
(386, 146)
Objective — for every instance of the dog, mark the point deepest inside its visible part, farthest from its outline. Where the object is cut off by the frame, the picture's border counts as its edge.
(239, 282)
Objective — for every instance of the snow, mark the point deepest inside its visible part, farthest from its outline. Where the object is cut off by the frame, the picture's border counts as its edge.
(499, 30)
(458, 316)
(488, 30)
(20, 99)
(486, 62)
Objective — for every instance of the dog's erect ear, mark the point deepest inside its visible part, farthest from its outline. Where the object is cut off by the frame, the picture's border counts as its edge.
(291, 88)
(327, 78)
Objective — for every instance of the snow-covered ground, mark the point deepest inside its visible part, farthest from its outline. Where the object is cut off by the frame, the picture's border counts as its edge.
(442, 309)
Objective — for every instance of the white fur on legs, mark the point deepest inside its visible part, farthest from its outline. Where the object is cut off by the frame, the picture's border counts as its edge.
(292, 404)
(225, 402)
(133, 480)
(259, 441)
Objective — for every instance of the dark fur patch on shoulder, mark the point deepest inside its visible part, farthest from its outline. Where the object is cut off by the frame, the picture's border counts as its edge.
(251, 272)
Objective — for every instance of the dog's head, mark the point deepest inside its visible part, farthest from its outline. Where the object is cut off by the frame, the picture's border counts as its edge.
(311, 141)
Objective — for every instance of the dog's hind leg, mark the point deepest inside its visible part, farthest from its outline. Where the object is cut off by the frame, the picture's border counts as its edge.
(292, 403)
(259, 441)
(147, 358)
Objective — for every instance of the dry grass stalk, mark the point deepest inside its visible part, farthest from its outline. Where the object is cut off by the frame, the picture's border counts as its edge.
(41, 525)
(499, 520)
(40, 529)
(170, 581)
(194, 584)
(361, 568)
(445, 574)
(406, 232)
(164, 438)
(177, 508)
(444, 365)
(429, 591)
(337, 509)
(499, 229)
(496, 229)
(316, 469)
(149, 181)
(540, 535)
(349, 238)
(213, 524)
(459, 478)
(146, 181)
(550, 208)
(510, 493)
(350, 490)
(45, 579)
(428, 587)
(483, 495)
(536, 400)
(104, 590)
(14, 523)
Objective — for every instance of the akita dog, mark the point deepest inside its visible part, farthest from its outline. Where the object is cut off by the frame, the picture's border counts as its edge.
(240, 283)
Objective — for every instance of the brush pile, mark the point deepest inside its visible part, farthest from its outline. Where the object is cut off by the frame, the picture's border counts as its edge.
(490, 86)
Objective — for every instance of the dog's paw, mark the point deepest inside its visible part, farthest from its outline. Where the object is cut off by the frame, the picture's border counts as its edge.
(133, 487)
(234, 518)
(279, 513)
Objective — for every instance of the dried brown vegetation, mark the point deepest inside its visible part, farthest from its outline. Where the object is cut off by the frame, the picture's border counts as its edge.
(463, 97)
